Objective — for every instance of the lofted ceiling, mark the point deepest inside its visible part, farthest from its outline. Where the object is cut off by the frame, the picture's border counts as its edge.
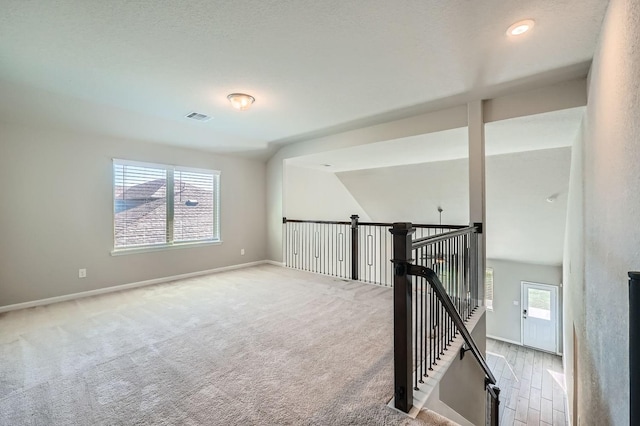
(134, 69)
(529, 133)
(528, 161)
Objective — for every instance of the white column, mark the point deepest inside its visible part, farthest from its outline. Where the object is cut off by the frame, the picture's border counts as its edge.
(477, 212)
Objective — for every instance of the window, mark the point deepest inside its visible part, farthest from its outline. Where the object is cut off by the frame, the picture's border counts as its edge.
(158, 205)
(488, 289)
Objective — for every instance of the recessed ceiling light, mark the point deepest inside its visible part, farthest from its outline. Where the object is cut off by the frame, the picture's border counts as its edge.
(520, 27)
(327, 165)
(241, 101)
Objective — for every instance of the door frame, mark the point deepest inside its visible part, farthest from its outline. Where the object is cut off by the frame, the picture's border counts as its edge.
(553, 288)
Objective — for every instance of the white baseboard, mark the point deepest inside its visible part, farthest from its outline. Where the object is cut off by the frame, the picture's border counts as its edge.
(504, 340)
(96, 292)
(518, 343)
(274, 263)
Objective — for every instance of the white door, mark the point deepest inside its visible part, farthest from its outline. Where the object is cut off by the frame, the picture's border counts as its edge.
(539, 316)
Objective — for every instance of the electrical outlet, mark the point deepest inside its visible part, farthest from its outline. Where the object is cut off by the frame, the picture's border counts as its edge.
(82, 273)
(241, 252)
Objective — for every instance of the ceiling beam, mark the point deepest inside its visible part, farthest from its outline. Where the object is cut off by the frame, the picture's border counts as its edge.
(569, 94)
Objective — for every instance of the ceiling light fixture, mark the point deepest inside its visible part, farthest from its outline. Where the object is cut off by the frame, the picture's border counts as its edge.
(241, 101)
(520, 27)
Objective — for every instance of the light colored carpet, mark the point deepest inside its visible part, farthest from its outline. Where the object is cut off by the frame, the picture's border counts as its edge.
(258, 346)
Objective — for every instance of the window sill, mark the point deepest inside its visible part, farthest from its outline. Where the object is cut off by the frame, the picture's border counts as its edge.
(151, 249)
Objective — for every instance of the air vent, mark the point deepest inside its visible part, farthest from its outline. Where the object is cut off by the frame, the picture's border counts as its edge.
(198, 117)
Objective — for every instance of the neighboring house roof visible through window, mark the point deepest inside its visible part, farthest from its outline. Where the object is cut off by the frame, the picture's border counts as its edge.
(144, 215)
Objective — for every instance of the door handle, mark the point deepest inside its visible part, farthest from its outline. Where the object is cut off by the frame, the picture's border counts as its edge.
(524, 314)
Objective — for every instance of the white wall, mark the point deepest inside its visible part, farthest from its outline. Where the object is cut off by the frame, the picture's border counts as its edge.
(504, 322)
(520, 226)
(413, 192)
(318, 195)
(610, 209)
(469, 400)
(57, 214)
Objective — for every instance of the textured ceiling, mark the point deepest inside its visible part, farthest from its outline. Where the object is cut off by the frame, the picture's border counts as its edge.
(134, 69)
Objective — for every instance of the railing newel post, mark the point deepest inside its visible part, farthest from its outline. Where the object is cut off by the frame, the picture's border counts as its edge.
(496, 407)
(634, 345)
(354, 247)
(402, 315)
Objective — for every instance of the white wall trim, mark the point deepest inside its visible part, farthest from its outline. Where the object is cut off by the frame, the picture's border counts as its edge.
(504, 340)
(520, 344)
(112, 289)
(274, 263)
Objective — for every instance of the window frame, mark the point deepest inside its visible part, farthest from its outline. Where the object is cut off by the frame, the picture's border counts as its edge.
(170, 244)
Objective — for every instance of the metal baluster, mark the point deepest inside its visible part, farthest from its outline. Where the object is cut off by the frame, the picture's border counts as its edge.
(325, 242)
(438, 330)
(321, 248)
(430, 328)
(455, 283)
(443, 345)
(309, 247)
(416, 329)
(380, 254)
(314, 262)
(423, 340)
(294, 240)
(332, 249)
(386, 251)
(370, 254)
(421, 287)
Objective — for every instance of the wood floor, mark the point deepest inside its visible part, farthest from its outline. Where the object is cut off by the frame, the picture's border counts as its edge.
(531, 384)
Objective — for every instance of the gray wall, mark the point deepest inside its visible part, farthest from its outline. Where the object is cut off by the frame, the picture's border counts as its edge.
(469, 400)
(56, 214)
(605, 238)
(504, 321)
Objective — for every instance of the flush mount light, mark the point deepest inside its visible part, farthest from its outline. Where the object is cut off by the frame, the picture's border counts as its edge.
(241, 101)
(520, 27)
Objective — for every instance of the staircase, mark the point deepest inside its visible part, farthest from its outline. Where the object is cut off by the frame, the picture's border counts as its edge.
(438, 314)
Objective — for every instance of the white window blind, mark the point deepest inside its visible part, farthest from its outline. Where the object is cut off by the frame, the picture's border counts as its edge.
(195, 214)
(156, 205)
(488, 288)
